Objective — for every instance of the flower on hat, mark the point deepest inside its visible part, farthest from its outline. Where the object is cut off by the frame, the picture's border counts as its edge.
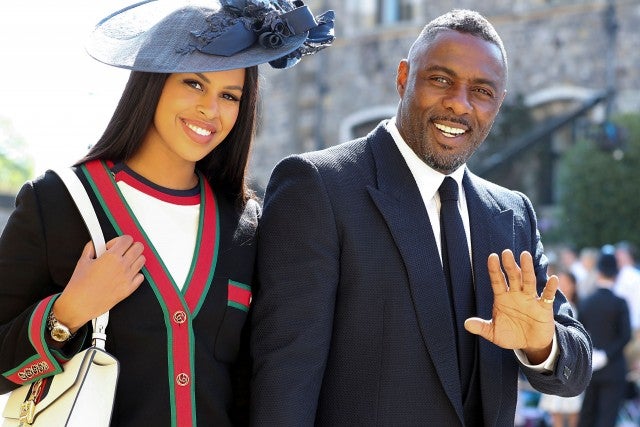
(243, 23)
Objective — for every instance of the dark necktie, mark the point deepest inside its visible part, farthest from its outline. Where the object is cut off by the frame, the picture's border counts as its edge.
(457, 270)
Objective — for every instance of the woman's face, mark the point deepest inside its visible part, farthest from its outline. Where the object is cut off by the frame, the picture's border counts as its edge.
(195, 113)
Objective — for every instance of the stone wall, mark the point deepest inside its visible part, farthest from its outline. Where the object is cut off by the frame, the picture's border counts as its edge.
(553, 47)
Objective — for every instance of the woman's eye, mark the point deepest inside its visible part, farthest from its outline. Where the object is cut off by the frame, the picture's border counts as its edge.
(194, 84)
(230, 97)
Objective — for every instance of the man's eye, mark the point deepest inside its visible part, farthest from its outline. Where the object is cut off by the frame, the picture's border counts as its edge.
(440, 79)
(485, 92)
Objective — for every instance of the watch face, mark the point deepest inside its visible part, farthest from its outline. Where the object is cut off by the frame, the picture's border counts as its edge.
(60, 333)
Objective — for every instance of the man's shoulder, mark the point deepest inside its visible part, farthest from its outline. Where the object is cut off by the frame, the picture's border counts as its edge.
(344, 152)
(352, 149)
(632, 271)
(340, 158)
(628, 281)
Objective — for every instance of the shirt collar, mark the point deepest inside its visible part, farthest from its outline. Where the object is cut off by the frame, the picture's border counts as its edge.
(427, 178)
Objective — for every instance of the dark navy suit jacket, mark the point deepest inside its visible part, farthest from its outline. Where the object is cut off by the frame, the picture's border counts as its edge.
(352, 324)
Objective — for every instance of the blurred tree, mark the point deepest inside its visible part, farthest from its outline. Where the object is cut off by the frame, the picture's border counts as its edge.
(16, 164)
(598, 182)
(514, 121)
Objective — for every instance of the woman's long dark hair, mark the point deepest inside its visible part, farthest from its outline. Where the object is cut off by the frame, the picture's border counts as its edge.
(225, 167)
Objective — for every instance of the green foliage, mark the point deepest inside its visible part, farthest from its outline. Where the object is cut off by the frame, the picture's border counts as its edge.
(513, 120)
(16, 166)
(598, 200)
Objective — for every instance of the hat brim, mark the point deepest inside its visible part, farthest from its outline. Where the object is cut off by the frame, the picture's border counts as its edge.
(156, 36)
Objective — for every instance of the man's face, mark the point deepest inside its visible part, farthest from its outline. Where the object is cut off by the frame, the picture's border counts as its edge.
(451, 90)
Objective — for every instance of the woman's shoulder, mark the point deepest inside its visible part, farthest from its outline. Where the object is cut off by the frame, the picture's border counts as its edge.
(50, 178)
(45, 185)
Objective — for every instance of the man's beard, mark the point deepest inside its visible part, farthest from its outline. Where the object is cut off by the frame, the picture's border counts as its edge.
(447, 163)
(442, 162)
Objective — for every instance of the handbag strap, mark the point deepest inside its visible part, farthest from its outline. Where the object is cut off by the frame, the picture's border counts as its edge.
(80, 197)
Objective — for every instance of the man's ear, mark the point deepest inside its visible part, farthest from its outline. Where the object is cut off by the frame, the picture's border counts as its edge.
(504, 95)
(401, 77)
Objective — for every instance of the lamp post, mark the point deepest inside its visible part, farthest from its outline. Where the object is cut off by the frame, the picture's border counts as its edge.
(322, 89)
(611, 28)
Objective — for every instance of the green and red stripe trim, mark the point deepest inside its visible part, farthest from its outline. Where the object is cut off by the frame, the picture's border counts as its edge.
(174, 304)
(239, 295)
(43, 363)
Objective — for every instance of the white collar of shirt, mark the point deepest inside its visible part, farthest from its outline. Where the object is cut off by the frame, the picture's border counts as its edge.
(428, 181)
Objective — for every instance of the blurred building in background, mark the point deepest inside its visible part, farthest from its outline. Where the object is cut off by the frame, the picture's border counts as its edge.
(571, 63)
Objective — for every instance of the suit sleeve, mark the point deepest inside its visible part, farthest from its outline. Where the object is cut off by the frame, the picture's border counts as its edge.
(298, 270)
(27, 293)
(572, 371)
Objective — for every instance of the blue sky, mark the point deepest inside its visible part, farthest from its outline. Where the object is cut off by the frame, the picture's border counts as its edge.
(57, 97)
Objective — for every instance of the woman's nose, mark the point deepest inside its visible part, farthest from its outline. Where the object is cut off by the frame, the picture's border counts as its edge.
(208, 108)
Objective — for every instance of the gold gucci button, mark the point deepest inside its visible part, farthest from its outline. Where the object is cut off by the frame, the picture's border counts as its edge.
(182, 379)
(179, 317)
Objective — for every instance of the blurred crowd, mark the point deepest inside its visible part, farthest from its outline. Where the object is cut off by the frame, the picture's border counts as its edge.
(603, 286)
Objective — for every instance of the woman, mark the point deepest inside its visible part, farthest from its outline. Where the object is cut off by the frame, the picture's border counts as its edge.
(167, 180)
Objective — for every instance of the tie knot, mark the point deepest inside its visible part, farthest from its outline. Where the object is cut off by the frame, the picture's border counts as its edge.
(448, 189)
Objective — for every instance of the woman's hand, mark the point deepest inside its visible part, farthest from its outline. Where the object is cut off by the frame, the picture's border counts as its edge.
(98, 284)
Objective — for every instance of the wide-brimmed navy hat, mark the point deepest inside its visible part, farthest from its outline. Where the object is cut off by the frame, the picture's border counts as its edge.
(170, 36)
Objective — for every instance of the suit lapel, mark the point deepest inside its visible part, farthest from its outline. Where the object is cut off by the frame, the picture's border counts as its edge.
(399, 201)
(491, 230)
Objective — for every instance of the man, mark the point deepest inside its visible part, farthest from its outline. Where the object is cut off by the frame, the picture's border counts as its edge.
(606, 317)
(356, 322)
(627, 284)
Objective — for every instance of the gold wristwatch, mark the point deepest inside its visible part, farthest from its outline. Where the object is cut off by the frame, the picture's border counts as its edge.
(58, 331)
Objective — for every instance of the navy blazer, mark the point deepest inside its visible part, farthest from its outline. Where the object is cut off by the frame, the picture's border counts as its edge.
(352, 324)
